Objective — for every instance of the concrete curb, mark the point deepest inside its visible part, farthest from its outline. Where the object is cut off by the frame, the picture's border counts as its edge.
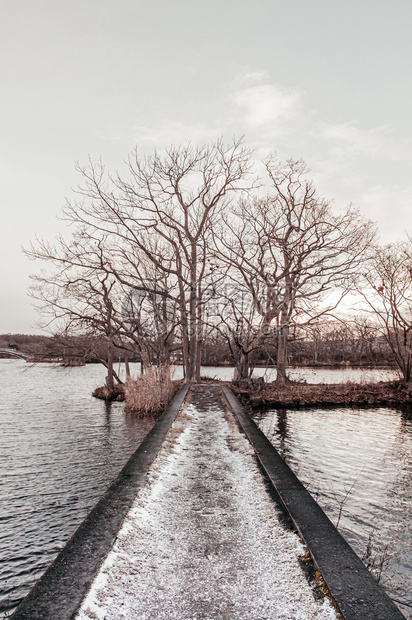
(357, 594)
(60, 591)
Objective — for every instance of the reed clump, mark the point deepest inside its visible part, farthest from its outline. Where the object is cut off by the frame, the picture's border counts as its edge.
(151, 392)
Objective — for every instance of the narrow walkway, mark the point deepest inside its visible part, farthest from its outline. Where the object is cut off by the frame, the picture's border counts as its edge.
(203, 540)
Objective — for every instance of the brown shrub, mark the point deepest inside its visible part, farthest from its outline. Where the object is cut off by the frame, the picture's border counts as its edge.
(150, 393)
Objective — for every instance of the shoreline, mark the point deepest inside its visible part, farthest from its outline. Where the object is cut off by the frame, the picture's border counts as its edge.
(257, 394)
(296, 395)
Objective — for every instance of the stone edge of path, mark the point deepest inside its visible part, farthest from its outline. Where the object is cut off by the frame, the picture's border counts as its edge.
(356, 593)
(62, 588)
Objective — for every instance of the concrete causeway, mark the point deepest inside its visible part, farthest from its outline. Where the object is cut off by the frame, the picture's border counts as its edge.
(203, 538)
(357, 594)
(189, 530)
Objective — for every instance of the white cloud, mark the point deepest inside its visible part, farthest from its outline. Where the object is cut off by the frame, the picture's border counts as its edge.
(265, 112)
(266, 104)
(377, 143)
(257, 104)
(391, 206)
(349, 163)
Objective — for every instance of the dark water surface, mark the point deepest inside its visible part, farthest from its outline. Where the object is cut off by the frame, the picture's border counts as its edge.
(59, 450)
(357, 463)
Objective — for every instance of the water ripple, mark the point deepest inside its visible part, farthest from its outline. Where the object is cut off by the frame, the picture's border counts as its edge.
(59, 450)
(357, 463)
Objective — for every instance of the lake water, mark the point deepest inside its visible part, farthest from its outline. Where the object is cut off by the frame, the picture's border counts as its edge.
(357, 463)
(60, 448)
(310, 375)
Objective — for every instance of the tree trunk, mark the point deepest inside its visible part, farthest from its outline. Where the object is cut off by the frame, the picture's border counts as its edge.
(242, 367)
(185, 337)
(199, 335)
(282, 355)
(109, 378)
(198, 360)
(408, 369)
(127, 366)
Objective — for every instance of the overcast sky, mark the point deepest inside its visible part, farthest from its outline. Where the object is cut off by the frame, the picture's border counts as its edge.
(326, 80)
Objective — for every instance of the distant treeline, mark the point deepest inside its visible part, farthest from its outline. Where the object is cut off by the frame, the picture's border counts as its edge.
(333, 343)
(81, 348)
(27, 343)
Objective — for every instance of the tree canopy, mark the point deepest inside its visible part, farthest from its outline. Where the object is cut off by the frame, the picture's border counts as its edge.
(191, 242)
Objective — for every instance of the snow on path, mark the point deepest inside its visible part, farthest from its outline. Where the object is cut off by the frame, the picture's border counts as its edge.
(202, 539)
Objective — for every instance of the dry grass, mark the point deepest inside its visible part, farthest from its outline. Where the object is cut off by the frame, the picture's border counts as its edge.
(306, 394)
(150, 393)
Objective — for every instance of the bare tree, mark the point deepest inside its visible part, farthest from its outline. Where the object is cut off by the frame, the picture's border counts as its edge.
(234, 316)
(78, 293)
(149, 311)
(153, 252)
(172, 200)
(387, 290)
(292, 252)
